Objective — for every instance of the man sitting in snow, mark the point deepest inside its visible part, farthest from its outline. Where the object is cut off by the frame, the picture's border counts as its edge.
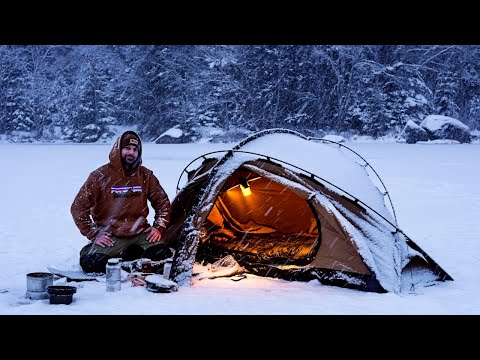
(111, 209)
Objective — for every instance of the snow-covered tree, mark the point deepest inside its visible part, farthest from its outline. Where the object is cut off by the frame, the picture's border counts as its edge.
(81, 93)
(446, 92)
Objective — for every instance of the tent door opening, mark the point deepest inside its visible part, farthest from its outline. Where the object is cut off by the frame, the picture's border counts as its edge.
(272, 225)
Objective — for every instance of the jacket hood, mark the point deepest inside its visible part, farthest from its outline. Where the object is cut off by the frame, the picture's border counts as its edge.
(116, 152)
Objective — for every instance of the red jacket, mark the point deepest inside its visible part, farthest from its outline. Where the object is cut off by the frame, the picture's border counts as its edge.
(115, 202)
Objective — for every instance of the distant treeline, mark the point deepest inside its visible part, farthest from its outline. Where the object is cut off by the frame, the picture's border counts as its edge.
(77, 93)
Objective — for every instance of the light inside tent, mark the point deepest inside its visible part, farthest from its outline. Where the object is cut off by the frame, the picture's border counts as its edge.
(245, 187)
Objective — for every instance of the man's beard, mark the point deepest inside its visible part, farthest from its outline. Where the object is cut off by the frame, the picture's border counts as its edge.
(128, 166)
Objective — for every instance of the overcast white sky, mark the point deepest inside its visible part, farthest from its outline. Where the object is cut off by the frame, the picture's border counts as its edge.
(434, 188)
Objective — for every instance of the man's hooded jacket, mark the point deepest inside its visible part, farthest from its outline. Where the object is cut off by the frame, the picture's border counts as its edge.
(114, 201)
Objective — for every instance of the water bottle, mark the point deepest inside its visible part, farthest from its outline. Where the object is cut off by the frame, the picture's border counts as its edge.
(166, 269)
(114, 272)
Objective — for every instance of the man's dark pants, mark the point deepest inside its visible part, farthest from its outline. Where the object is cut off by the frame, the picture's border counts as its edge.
(94, 258)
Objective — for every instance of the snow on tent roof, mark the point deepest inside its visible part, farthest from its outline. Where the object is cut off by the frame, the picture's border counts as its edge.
(332, 164)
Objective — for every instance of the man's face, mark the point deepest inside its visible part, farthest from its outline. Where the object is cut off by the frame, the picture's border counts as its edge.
(130, 154)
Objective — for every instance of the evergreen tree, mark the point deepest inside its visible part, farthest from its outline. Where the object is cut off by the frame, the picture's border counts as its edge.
(446, 93)
(473, 112)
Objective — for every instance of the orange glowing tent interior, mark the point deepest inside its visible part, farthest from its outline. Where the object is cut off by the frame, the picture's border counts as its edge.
(272, 211)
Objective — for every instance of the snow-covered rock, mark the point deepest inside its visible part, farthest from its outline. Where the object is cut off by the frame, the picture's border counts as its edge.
(475, 135)
(413, 133)
(444, 127)
(171, 136)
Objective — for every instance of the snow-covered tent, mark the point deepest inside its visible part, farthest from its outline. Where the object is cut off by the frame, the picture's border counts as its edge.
(325, 220)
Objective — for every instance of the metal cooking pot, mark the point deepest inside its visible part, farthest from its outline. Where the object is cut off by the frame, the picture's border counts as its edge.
(39, 281)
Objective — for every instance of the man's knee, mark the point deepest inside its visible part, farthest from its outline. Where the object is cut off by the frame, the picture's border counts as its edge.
(86, 249)
(158, 252)
(94, 263)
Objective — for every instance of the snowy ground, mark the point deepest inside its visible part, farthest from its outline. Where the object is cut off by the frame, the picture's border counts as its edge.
(434, 187)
